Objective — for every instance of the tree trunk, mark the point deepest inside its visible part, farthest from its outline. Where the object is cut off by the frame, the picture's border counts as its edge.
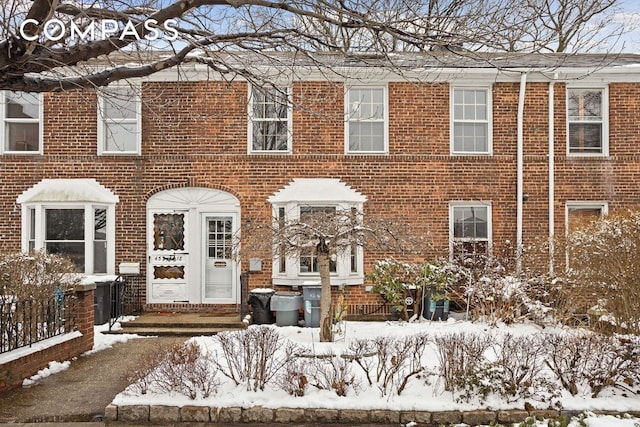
(326, 319)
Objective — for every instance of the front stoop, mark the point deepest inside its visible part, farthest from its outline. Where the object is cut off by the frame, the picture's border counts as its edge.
(258, 414)
(181, 324)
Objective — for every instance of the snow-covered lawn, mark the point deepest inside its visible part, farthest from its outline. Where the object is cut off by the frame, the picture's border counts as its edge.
(424, 392)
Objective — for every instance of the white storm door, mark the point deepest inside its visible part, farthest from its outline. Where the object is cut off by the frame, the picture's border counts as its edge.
(168, 256)
(219, 284)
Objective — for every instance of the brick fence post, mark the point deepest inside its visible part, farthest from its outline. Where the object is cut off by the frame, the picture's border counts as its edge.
(85, 313)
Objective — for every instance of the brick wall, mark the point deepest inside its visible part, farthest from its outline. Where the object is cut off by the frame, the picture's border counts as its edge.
(195, 134)
(13, 373)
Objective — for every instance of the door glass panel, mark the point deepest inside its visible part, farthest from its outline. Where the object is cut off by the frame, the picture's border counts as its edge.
(219, 268)
(168, 272)
(168, 232)
(220, 238)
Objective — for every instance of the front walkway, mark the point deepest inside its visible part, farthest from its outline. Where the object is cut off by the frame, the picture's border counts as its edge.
(80, 393)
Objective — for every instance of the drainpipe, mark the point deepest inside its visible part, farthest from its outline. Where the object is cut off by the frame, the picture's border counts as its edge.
(519, 172)
(551, 174)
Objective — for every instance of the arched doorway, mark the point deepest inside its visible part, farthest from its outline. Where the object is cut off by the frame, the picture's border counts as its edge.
(189, 247)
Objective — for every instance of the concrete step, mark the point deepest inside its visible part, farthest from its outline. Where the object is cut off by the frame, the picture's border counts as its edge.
(181, 324)
(175, 332)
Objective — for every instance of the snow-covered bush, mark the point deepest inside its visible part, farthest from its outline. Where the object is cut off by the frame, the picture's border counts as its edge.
(396, 281)
(593, 362)
(37, 275)
(253, 356)
(495, 291)
(183, 368)
(602, 257)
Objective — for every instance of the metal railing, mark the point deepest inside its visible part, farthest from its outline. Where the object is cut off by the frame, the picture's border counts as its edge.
(124, 299)
(25, 322)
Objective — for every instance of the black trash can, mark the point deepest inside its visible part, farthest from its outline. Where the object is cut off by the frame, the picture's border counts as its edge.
(260, 301)
(102, 303)
(311, 296)
(435, 306)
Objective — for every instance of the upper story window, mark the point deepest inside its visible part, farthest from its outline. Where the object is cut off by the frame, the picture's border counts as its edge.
(470, 227)
(471, 120)
(21, 114)
(587, 121)
(119, 127)
(366, 124)
(269, 120)
(74, 218)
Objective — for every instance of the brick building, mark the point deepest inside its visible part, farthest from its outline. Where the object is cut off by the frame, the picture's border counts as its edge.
(161, 173)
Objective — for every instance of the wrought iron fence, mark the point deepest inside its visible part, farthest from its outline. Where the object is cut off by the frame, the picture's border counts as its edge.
(25, 322)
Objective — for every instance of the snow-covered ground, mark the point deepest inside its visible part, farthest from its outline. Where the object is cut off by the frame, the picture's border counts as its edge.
(425, 392)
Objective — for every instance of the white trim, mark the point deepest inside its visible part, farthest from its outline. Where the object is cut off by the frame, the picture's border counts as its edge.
(250, 149)
(316, 192)
(101, 127)
(489, 121)
(197, 203)
(605, 118)
(88, 237)
(87, 194)
(4, 121)
(385, 119)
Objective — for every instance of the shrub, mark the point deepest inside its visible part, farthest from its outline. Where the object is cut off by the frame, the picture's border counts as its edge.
(37, 276)
(253, 356)
(603, 257)
(182, 368)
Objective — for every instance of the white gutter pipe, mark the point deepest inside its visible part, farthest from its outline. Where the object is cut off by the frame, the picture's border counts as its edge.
(551, 174)
(520, 172)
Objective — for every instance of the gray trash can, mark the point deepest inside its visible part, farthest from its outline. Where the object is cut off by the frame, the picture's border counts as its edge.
(287, 305)
(311, 296)
(260, 301)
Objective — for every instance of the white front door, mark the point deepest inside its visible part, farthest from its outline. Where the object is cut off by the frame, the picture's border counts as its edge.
(189, 235)
(168, 267)
(219, 284)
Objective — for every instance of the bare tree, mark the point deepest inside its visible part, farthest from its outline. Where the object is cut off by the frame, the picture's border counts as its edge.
(558, 26)
(49, 45)
(321, 235)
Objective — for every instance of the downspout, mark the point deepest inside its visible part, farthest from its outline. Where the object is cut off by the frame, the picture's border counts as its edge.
(520, 172)
(551, 174)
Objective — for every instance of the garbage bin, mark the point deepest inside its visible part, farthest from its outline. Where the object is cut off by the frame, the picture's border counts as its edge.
(260, 301)
(311, 296)
(287, 305)
(102, 303)
(435, 307)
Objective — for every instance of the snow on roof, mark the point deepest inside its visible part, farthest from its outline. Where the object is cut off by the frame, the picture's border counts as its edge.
(317, 190)
(68, 190)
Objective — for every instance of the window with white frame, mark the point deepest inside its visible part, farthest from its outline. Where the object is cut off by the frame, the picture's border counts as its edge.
(21, 114)
(309, 258)
(579, 213)
(470, 228)
(471, 120)
(119, 124)
(587, 121)
(314, 198)
(83, 231)
(269, 120)
(366, 127)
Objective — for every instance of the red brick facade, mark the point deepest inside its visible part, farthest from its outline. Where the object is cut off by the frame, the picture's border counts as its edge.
(194, 134)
